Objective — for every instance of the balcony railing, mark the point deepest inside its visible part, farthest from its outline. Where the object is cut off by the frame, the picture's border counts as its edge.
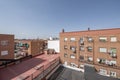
(113, 55)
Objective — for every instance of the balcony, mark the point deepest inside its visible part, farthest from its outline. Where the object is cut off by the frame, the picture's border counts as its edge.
(112, 53)
(81, 42)
(73, 49)
(106, 62)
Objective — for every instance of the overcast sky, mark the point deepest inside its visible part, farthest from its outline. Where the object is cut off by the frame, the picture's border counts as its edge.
(45, 18)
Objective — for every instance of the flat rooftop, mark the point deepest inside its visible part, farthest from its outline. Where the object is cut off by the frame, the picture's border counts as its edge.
(63, 73)
(27, 67)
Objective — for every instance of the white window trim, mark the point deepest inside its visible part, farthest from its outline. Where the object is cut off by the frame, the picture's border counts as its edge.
(105, 38)
(3, 53)
(113, 39)
(90, 58)
(103, 72)
(72, 56)
(72, 39)
(65, 39)
(103, 50)
(4, 42)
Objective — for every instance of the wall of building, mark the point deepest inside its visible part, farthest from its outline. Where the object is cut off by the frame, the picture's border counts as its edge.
(34, 48)
(54, 44)
(95, 44)
(6, 46)
(37, 47)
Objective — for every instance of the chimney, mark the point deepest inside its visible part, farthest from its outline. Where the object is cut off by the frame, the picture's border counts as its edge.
(63, 31)
(88, 29)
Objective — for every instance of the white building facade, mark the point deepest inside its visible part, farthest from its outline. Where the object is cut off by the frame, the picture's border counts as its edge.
(54, 44)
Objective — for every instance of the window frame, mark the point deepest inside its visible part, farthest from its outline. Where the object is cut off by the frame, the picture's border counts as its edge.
(103, 50)
(65, 55)
(103, 39)
(72, 57)
(72, 39)
(113, 73)
(113, 40)
(65, 39)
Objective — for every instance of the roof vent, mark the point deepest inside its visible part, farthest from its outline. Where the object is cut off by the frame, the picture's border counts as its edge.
(63, 30)
(88, 29)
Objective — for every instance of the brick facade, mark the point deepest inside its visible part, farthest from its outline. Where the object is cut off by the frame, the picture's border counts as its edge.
(100, 48)
(6, 46)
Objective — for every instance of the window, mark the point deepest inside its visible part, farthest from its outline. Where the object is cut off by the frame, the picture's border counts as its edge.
(65, 47)
(82, 41)
(104, 50)
(73, 48)
(103, 71)
(4, 53)
(113, 52)
(81, 58)
(65, 39)
(103, 61)
(103, 39)
(113, 39)
(89, 48)
(82, 66)
(90, 39)
(4, 43)
(72, 56)
(90, 59)
(65, 55)
(113, 74)
(72, 39)
(81, 48)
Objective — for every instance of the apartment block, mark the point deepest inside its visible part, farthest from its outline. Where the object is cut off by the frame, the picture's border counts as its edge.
(100, 48)
(28, 47)
(6, 46)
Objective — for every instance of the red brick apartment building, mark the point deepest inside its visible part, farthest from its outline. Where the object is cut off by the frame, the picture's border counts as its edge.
(6, 46)
(29, 47)
(101, 48)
